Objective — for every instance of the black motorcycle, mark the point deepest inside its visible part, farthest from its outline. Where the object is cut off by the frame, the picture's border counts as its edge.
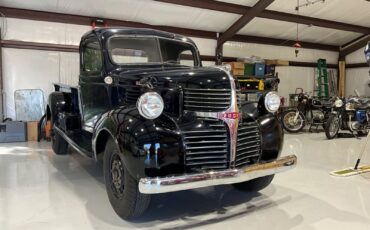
(352, 115)
(309, 110)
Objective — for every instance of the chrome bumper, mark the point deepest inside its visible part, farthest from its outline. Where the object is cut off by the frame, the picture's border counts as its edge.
(230, 176)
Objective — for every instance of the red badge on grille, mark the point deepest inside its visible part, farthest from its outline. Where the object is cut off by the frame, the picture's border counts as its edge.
(233, 115)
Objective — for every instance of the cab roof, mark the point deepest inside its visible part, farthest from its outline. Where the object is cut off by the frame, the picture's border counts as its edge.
(110, 31)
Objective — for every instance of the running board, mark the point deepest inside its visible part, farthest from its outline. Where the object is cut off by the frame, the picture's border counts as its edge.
(73, 144)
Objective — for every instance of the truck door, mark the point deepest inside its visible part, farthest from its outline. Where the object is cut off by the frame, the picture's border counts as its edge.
(94, 97)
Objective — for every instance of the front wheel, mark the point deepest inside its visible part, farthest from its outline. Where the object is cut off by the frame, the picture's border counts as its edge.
(332, 126)
(122, 188)
(293, 121)
(254, 185)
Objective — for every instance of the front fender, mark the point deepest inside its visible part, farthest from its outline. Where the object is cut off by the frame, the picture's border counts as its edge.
(149, 148)
(272, 137)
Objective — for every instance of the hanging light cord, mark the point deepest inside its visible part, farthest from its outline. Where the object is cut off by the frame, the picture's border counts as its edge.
(297, 9)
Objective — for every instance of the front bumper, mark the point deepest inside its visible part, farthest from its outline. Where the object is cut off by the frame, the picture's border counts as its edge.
(230, 176)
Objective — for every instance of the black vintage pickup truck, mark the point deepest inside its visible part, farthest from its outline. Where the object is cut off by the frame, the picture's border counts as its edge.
(161, 122)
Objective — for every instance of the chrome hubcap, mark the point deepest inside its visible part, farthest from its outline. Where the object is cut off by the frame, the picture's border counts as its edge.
(116, 175)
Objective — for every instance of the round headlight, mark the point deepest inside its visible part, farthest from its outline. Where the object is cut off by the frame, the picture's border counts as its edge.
(338, 103)
(272, 102)
(150, 105)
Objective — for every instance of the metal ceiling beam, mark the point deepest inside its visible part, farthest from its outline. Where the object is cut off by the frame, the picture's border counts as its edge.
(86, 20)
(282, 42)
(356, 45)
(243, 20)
(357, 65)
(270, 14)
(353, 40)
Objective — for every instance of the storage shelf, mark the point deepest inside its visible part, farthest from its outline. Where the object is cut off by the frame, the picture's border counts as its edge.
(254, 91)
(254, 77)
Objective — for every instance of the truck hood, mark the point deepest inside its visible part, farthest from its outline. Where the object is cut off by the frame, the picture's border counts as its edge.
(173, 77)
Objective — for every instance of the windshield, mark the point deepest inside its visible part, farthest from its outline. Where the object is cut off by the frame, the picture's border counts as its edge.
(151, 50)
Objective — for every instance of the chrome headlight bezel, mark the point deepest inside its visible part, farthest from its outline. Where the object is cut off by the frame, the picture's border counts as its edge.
(272, 102)
(350, 106)
(150, 105)
(338, 103)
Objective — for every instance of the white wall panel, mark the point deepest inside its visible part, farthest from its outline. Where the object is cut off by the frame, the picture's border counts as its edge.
(69, 68)
(356, 57)
(239, 49)
(46, 32)
(205, 46)
(28, 69)
(294, 77)
(32, 69)
(357, 78)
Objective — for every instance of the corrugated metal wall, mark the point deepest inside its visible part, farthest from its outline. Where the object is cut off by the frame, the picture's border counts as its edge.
(357, 78)
(39, 69)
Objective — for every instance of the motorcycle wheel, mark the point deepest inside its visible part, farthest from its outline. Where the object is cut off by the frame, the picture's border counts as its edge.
(362, 133)
(289, 124)
(332, 127)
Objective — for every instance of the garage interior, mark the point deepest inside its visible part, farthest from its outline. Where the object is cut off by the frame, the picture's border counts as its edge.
(40, 46)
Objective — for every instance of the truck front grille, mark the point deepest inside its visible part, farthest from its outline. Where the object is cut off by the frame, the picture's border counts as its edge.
(207, 100)
(248, 149)
(207, 149)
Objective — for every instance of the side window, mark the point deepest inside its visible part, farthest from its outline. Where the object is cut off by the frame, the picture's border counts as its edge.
(92, 57)
(187, 58)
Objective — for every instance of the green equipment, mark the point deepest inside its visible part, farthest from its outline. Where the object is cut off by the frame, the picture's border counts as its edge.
(321, 80)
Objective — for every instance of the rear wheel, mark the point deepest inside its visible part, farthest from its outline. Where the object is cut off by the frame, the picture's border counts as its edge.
(293, 122)
(59, 145)
(254, 185)
(332, 127)
(122, 188)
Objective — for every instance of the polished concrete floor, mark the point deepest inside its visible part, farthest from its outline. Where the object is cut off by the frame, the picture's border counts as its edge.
(39, 190)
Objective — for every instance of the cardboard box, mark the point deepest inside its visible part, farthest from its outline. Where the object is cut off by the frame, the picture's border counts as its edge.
(32, 130)
(270, 62)
(238, 72)
(277, 62)
(237, 65)
(282, 62)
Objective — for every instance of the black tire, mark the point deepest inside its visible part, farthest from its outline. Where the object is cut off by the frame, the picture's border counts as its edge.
(330, 131)
(58, 144)
(288, 127)
(54, 98)
(254, 185)
(122, 188)
(362, 133)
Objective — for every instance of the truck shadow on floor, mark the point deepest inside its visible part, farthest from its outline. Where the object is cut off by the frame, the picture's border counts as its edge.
(194, 208)
(202, 208)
